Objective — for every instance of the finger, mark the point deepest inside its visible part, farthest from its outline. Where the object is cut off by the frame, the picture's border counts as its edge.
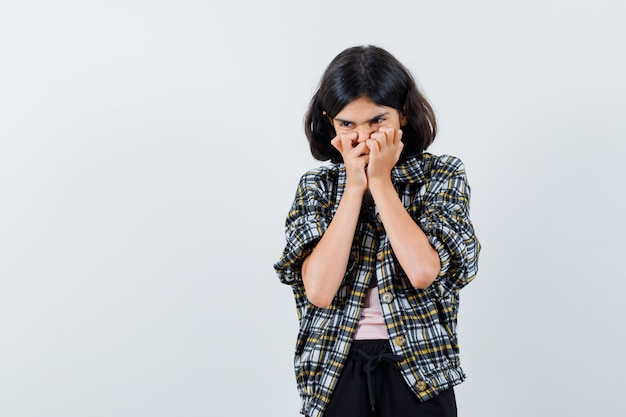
(337, 144)
(390, 134)
(398, 137)
(348, 140)
(379, 136)
(399, 148)
(360, 149)
(373, 145)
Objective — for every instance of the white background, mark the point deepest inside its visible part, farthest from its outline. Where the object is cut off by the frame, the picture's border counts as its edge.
(149, 152)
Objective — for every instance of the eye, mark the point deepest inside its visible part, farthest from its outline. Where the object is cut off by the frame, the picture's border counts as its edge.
(377, 120)
(345, 124)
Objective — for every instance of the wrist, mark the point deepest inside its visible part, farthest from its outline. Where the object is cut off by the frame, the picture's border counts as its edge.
(354, 191)
(378, 185)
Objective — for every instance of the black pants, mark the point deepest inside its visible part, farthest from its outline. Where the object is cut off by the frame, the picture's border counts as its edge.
(391, 395)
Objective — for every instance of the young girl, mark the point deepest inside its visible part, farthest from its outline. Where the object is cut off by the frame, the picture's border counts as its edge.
(379, 243)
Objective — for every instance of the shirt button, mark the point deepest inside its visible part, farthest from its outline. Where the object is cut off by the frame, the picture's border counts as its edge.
(380, 256)
(387, 297)
(421, 385)
(400, 340)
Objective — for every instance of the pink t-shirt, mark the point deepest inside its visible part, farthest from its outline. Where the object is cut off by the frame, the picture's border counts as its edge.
(371, 325)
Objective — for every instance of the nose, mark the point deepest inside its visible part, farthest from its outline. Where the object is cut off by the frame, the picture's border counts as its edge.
(364, 133)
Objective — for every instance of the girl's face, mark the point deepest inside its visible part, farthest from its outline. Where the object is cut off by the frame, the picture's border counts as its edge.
(365, 117)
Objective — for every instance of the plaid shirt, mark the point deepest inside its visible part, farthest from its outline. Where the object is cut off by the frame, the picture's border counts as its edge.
(421, 323)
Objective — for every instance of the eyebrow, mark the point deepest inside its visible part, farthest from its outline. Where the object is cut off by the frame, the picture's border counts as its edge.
(378, 116)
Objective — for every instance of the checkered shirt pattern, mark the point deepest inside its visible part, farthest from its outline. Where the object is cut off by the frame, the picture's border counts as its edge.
(421, 323)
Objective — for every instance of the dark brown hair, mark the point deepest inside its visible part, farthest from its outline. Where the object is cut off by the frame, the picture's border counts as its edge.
(372, 72)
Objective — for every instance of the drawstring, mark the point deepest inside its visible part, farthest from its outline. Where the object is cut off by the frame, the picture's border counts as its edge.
(370, 366)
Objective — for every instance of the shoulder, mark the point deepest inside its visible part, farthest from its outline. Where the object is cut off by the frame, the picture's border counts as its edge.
(427, 167)
(324, 174)
(443, 172)
(437, 165)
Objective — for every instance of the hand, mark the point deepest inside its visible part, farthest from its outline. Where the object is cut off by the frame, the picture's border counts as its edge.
(355, 156)
(384, 147)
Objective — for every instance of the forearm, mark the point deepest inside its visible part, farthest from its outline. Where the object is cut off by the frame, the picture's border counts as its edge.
(323, 270)
(419, 260)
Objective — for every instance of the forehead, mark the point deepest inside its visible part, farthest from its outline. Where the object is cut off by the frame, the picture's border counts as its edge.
(362, 108)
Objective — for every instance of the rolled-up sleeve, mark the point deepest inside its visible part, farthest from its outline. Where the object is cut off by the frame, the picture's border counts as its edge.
(445, 220)
(306, 222)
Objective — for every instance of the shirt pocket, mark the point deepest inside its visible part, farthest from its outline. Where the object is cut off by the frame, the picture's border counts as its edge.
(432, 341)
